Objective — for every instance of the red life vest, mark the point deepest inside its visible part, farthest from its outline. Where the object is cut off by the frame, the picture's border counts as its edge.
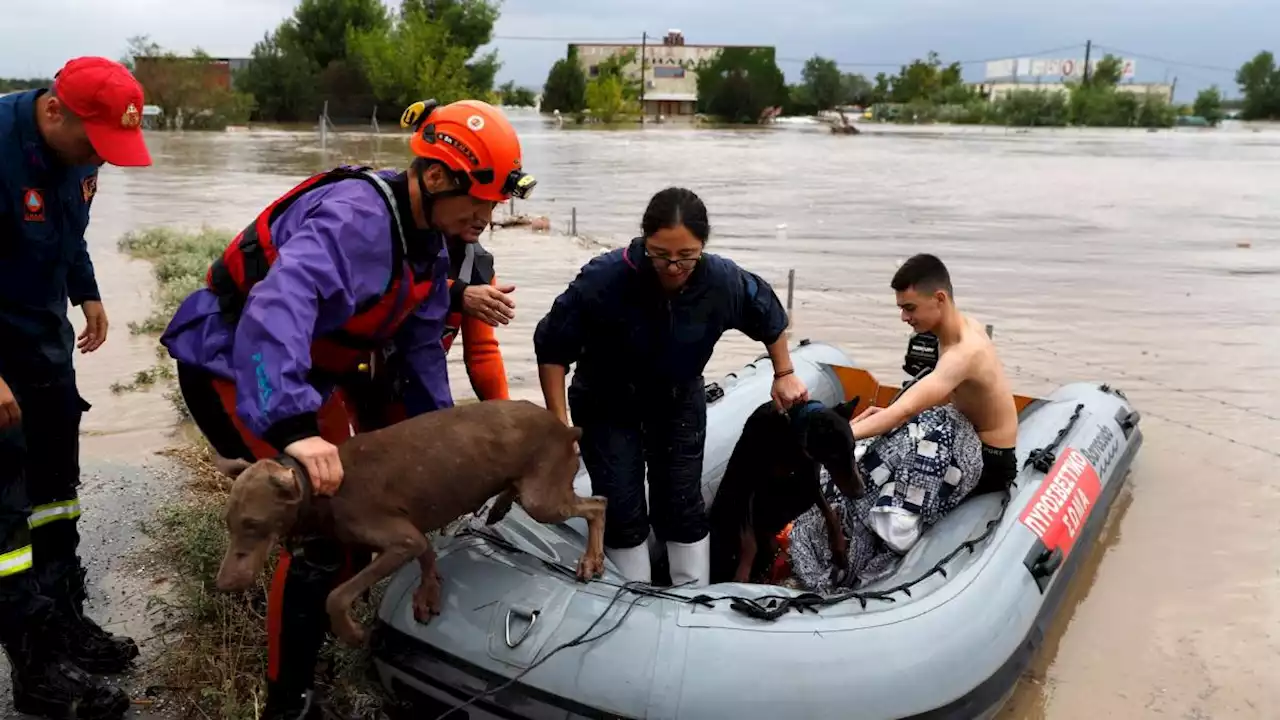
(251, 254)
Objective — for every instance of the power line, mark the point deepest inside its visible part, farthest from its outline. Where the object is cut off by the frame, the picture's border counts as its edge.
(637, 40)
(801, 61)
(567, 39)
(1153, 58)
(980, 61)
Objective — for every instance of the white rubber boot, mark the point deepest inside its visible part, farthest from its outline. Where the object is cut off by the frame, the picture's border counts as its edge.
(633, 562)
(690, 562)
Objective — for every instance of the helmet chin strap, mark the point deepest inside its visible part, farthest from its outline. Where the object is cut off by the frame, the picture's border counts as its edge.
(429, 198)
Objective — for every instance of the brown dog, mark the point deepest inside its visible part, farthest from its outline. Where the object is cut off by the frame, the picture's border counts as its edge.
(407, 480)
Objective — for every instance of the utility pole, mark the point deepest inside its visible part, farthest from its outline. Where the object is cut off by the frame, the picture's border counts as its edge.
(1173, 89)
(1088, 47)
(644, 48)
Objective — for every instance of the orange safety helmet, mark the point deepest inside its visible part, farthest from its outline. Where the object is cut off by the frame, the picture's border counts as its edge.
(475, 141)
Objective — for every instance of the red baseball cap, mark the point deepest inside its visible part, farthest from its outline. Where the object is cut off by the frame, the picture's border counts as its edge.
(108, 99)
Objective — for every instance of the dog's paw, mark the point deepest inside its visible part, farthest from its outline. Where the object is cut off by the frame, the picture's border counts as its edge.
(350, 632)
(344, 627)
(354, 635)
(426, 601)
(590, 565)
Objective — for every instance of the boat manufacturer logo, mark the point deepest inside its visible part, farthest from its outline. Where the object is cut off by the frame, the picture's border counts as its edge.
(1060, 507)
(1103, 449)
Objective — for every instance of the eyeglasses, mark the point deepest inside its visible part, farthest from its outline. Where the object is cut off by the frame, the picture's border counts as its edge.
(663, 263)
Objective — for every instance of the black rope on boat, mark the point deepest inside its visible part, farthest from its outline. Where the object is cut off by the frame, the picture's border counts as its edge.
(583, 638)
(1044, 458)
(638, 588)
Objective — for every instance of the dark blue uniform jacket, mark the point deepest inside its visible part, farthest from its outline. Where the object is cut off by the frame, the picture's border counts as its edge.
(630, 339)
(44, 262)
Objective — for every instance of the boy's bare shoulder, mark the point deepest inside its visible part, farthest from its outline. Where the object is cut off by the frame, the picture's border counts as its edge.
(975, 345)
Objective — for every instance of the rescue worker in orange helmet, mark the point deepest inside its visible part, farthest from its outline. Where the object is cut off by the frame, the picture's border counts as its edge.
(274, 353)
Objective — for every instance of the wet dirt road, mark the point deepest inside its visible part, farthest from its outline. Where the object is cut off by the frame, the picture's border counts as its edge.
(1150, 261)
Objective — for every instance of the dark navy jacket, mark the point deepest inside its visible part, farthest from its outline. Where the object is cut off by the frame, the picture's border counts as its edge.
(627, 336)
(44, 262)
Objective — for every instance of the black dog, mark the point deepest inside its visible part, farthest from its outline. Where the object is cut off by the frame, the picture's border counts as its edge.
(774, 475)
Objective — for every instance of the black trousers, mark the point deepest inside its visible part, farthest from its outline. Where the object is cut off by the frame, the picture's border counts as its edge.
(39, 502)
(665, 430)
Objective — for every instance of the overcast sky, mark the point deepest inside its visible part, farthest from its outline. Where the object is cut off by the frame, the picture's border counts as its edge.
(1212, 33)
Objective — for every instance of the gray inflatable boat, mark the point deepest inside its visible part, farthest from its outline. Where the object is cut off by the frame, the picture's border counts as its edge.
(946, 636)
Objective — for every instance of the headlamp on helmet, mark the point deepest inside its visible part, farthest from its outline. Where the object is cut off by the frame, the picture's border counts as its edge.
(519, 184)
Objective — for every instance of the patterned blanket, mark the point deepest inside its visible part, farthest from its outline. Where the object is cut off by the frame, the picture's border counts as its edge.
(915, 475)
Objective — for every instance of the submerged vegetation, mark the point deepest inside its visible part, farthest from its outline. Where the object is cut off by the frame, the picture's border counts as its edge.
(179, 261)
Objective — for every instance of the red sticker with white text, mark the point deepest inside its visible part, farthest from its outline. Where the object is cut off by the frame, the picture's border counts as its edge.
(1060, 507)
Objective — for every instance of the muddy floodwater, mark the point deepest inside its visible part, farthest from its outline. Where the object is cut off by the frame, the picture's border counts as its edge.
(1150, 261)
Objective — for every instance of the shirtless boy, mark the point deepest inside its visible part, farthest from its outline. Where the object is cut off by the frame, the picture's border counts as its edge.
(949, 437)
(969, 374)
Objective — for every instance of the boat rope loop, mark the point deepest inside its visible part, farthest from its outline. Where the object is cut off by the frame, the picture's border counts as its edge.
(772, 607)
(1044, 458)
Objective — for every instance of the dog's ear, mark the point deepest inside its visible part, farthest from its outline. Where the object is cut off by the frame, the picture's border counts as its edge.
(846, 409)
(287, 483)
(231, 467)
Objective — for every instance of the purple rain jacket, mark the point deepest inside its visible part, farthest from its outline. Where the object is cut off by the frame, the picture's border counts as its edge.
(335, 255)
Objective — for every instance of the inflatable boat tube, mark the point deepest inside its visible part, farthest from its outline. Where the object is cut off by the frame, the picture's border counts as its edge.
(947, 636)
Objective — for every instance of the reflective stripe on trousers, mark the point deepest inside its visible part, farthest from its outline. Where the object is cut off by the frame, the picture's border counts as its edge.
(44, 514)
(12, 563)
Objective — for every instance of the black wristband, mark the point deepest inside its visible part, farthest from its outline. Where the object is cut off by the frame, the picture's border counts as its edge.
(784, 373)
(292, 429)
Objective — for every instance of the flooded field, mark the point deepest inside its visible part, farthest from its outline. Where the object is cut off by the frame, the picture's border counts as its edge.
(1147, 260)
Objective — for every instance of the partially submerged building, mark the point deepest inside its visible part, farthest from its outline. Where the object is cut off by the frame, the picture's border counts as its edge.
(670, 83)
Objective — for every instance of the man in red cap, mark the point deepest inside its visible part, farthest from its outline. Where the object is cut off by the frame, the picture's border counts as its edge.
(52, 142)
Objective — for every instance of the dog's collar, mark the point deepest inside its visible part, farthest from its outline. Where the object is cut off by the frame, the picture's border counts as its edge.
(304, 480)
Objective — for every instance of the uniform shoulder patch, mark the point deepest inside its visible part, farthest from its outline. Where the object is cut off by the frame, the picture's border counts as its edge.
(32, 205)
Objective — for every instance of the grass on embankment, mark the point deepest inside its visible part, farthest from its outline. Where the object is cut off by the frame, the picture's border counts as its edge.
(179, 261)
(214, 656)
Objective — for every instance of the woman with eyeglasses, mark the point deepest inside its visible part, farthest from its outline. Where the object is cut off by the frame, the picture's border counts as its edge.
(641, 323)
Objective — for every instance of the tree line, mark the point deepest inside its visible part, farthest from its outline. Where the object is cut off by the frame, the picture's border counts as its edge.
(739, 84)
(8, 85)
(358, 55)
(354, 55)
(1259, 81)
